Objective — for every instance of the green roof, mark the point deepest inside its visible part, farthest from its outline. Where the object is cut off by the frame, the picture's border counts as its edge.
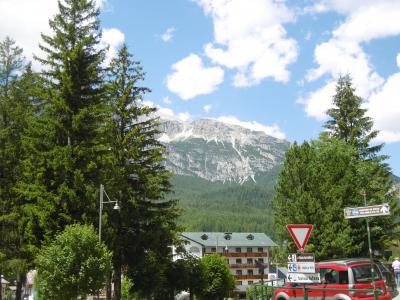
(212, 239)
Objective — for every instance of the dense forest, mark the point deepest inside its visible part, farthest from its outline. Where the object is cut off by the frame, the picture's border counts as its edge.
(217, 206)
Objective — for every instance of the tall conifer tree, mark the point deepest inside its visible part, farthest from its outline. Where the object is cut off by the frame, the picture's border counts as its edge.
(348, 120)
(17, 91)
(65, 141)
(137, 178)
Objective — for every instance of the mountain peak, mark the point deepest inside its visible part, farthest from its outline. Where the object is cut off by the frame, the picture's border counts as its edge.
(217, 151)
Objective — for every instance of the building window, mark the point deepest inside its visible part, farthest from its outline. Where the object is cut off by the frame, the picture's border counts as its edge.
(261, 260)
(239, 272)
(204, 237)
(260, 249)
(227, 261)
(194, 250)
(249, 272)
(238, 283)
(250, 261)
(238, 250)
(250, 282)
(238, 260)
(228, 235)
(249, 250)
(213, 249)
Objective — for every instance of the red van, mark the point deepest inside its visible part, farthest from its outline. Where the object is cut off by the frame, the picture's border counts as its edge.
(340, 274)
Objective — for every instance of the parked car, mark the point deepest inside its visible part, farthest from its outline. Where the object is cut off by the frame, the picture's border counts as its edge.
(340, 274)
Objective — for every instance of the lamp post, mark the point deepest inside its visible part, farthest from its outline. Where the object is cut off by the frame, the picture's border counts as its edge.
(102, 202)
(116, 207)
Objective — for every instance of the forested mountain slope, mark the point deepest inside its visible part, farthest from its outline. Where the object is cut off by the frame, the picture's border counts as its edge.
(224, 174)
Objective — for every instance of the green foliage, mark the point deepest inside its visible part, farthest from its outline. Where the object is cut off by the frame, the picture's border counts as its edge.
(145, 228)
(126, 287)
(348, 121)
(217, 206)
(219, 281)
(318, 180)
(256, 292)
(16, 106)
(11, 61)
(64, 140)
(76, 263)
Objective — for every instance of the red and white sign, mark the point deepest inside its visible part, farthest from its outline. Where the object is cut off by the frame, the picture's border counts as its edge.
(300, 234)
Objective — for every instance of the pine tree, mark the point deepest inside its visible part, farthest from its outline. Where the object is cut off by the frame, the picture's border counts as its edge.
(11, 61)
(65, 137)
(348, 121)
(137, 178)
(16, 108)
(318, 180)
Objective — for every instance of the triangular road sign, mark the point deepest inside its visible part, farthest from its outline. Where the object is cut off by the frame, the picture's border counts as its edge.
(300, 234)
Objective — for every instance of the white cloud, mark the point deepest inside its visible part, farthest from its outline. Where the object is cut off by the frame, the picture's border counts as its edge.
(273, 130)
(25, 20)
(371, 20)
(337, 57)
(168, 34)
(384, 107)
(166, 100)
(250, 38)
(366, 20)
(318, 102)
(190, 78)
(207, 108)
(169, 114)
(111, 38)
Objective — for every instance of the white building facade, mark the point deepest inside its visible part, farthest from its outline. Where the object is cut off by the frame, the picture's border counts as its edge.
(244, 252)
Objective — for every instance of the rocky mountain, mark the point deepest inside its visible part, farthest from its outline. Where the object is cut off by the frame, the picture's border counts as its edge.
(224, 174)
(220, 152)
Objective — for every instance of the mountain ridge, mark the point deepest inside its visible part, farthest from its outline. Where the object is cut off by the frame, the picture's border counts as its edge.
(217, 151)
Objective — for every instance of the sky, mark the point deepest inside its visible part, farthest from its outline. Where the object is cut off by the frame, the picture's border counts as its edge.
(268, 65)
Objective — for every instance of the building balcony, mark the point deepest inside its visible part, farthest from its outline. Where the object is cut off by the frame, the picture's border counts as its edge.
(243, 266)
(249, 277)
(241, 254)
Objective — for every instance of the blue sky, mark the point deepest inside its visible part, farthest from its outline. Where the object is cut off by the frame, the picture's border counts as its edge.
(264, 64)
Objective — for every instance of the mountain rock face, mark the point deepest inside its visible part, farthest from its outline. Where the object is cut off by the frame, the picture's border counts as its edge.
(218, 151)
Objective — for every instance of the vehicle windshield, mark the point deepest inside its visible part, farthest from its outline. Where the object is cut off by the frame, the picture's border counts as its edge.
(363, 273)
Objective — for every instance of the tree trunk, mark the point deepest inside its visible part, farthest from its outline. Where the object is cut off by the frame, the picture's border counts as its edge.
(117, 280)
(108, 291)
(191, 295)
(18, 292)
(1, 285)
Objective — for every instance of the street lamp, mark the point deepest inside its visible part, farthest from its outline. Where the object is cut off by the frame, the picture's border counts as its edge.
(116, 206)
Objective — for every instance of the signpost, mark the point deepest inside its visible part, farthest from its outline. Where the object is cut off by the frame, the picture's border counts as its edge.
(303, 278)
(367, 211)
(306, 267)
(301, 268)
(300, 234)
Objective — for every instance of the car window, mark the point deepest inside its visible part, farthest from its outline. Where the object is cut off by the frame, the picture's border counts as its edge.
(363, 273)
(332, 276)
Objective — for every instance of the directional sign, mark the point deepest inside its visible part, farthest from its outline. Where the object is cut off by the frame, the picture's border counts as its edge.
(300, 234)
(367, 211)
(301, 257)
(305, 267)
(303, 278)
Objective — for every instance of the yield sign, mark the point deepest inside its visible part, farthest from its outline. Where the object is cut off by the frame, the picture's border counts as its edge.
(300, 234)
